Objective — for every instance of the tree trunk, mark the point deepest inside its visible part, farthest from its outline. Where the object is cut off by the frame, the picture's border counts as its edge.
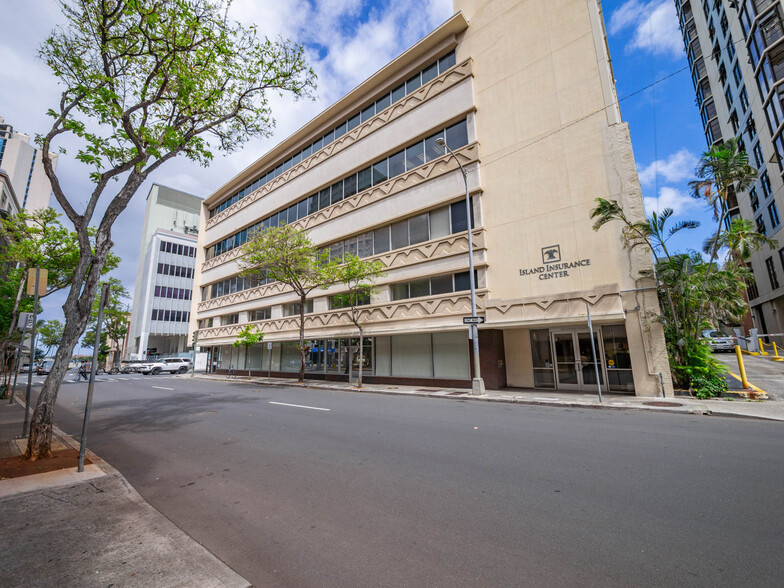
(302, 338)
(77, 309)
(14, 319)
(361, 353)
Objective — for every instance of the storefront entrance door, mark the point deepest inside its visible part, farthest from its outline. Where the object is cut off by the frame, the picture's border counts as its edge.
(574, 361)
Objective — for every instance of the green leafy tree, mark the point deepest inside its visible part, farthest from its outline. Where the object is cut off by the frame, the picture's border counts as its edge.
(145, 81)
(357, 276)
(37, 240)
(287, 255)
(50, 333)
(248, 336)
(722, 172)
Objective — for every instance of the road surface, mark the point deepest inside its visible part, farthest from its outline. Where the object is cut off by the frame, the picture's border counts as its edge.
(295, 487)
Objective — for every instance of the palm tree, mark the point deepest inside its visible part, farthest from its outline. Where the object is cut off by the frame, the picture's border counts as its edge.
(722, 171)
(653, 233)
(741, 240)
(660, 236)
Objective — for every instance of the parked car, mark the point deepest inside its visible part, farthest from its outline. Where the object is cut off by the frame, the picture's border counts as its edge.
(25, 368)
(45, 367)
(173, 365)
(718, 340)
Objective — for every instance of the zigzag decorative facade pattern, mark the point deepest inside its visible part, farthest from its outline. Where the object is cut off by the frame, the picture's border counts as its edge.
(446, 247)
(437, 167)
(445, 305)
(423, 94)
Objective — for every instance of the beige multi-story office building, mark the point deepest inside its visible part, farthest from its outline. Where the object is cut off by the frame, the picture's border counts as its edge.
(523, 93)
(736, 53)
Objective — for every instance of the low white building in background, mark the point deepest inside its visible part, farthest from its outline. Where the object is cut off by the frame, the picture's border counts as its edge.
(164, 278)
(24, 169)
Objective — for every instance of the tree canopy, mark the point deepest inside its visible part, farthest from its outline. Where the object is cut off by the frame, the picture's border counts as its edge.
(143, 82)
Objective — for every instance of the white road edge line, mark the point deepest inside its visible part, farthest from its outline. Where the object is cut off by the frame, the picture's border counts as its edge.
(300, 406)
(163, 388)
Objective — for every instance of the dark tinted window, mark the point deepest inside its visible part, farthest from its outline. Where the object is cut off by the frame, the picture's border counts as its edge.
(382, 103)
(457, 135)
(415, 156)
(398, 93)
(429, 73)
(432, 149)
(364, 179)
(397, 164)
(380, 172)
(381, 240)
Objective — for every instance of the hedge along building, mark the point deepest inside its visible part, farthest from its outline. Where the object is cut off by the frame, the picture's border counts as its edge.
(523, 93)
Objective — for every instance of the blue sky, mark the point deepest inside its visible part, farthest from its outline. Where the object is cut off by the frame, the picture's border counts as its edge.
(646, 45)
(347, 41)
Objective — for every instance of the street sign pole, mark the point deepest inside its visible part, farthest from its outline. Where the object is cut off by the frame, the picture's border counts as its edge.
(26, 422)
(593, 349)
(91, 385)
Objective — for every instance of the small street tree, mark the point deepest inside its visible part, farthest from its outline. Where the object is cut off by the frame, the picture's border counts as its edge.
(145, 81)
(50, 333)
(357, 275)
(287, 255)
(248, 336)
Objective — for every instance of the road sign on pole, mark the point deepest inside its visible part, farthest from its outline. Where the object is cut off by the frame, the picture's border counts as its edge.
(36, 281)
(25, 321)
(473, 320)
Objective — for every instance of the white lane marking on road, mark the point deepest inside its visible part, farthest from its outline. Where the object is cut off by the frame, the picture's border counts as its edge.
(163, 388)
(300, 406)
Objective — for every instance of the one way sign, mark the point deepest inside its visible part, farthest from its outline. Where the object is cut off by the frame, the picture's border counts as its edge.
(473, 320)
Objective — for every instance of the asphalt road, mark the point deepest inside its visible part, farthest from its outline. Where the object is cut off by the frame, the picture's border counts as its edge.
(378, 490)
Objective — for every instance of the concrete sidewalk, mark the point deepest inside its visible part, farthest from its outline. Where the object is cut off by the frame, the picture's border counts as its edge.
(89, 529)
(768, 410)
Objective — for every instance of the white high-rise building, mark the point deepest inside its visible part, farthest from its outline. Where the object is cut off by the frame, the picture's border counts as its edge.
(164, 278)
(22, 163)
(736, 54)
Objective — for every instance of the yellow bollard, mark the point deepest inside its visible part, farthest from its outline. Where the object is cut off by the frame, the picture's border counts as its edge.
(741, 368)
(762, 347)
(776, 353)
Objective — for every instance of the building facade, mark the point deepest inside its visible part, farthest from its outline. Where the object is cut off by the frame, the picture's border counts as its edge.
(22, 163)
(523, 93)
(164, 277)
(736, 53)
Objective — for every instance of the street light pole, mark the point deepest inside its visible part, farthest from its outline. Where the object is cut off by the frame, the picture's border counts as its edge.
(477, 384)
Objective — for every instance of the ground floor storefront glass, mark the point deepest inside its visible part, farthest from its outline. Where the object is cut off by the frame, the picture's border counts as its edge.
(428, 356)
(564, 358)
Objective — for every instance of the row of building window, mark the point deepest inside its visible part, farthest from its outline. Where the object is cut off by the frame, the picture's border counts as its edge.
(432, 286)
(383, 102)
(175, 270)
(176, 316)
(408, 158)
(178, 293)
(178, 249)
(772, 275)
(434, 224)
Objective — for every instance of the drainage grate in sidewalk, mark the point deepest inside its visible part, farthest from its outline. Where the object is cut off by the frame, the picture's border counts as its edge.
(662, 403)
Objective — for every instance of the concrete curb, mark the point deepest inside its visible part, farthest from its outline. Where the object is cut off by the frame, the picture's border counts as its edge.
(555, 403)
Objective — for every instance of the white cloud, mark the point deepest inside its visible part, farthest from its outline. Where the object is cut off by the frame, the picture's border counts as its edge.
(345, 43)
(677, 167)
(671, 198)
(654, 24)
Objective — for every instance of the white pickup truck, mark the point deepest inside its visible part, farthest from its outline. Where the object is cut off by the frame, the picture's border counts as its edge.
(173, 365)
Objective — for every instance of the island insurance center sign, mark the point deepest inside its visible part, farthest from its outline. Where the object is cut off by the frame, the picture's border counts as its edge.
(552, 266)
